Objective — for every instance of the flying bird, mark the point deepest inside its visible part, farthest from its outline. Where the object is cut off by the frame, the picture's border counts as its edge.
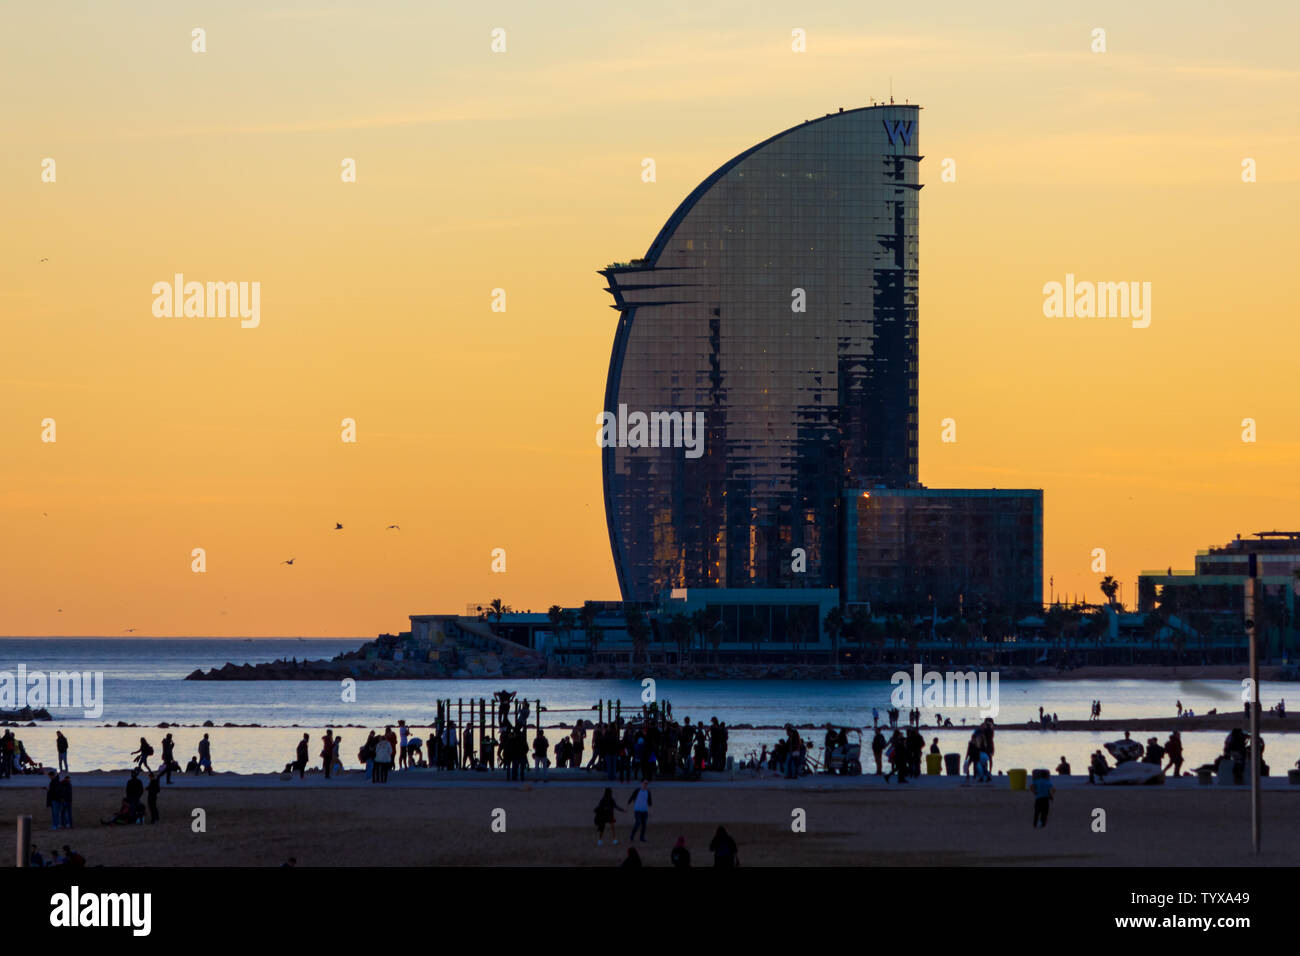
(398, 527)
(337, 526)
(46, 259)
(130, 630)
(290, 561)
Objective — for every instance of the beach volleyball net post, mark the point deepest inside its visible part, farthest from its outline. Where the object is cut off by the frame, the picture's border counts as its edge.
(23, 852)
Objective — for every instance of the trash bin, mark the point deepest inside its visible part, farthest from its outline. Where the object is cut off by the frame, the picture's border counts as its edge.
(934, 763)
(953, 762)
(1017, 777)
(1225, 773)
(1205, 776)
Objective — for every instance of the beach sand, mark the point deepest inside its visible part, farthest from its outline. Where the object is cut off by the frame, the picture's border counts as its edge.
(422, 820)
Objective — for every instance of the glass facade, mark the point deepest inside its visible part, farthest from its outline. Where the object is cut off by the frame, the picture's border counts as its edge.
(779, 303)
(950, 547)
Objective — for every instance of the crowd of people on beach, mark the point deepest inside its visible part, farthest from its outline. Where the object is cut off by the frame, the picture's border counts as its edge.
(14, 758)
(66, 857)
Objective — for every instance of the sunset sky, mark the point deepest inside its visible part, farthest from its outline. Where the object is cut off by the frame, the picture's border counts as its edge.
(522, 170)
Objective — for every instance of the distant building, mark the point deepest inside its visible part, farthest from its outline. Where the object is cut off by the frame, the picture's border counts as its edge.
(910, 549)
(1209, 601)
(777, 306)
(764, 377)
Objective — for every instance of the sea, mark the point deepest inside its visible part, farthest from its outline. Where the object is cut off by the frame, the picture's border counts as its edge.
(143, 684)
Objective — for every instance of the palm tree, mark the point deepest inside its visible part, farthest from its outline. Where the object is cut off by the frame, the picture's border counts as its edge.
(556, 615)
(679, 627)
(1109, 587)
(716, 634)
(639, 632)
(568, 621)
(833, 624)
(753, 629)
(498, 609)
(595, 635)
(701, 621)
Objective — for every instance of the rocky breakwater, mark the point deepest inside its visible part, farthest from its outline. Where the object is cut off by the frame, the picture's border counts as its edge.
(393, 657)
(24, 715)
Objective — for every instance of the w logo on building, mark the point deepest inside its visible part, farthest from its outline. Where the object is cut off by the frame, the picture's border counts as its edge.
(899, 128)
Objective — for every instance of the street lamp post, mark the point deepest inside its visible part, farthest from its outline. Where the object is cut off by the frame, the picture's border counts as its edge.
(1252, 589)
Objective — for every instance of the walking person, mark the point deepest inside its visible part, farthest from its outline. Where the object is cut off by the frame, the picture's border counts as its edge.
(367, 756)
(1043, 792)
(897, 756)
(54, 801)
(1174, 751)
(467, 746)
(404, 742)
(640, 802)
(61, 745)
(145, 752)
(540, 758)
(300, 758)
(878, 750)
(605, 818)
(327, 752)
(383, 759)
(65, 801)
(205, 755)
(168, 756)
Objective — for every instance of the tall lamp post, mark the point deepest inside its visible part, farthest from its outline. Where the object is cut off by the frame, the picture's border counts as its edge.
(1252, 590)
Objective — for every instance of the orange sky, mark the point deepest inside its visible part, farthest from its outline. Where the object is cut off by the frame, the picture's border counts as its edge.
(521, 170)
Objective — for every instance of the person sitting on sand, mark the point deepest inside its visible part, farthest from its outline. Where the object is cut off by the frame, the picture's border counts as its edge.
(127, 813)
(1063, 768)
(724, 849)
(25, 763)
(1098, 768)
(193, 765)
(680, 857)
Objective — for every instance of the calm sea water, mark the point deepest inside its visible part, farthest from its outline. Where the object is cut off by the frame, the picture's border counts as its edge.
(144, 684)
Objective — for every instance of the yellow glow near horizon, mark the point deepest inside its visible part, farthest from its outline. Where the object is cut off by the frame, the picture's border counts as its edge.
(521, 170)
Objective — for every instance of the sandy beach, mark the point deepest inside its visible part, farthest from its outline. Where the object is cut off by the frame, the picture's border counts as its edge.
(422, 818)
